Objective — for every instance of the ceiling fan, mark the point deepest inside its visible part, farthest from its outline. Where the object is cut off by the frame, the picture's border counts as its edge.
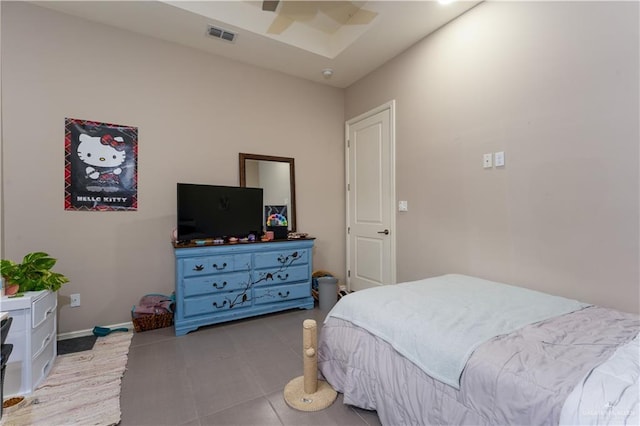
(339, 13)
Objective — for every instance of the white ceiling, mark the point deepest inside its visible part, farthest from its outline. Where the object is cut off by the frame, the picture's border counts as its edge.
(313, 39)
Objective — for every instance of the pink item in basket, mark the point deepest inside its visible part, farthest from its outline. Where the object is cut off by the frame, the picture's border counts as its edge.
(154, 304)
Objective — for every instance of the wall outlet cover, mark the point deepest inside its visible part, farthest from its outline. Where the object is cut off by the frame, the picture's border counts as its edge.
(487, 161)
(75, 300)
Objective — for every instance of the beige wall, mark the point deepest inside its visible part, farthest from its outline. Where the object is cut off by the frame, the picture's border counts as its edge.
(194, 113)
(555, 86)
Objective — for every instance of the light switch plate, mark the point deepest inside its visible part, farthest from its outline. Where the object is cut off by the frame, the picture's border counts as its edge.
(499, 159)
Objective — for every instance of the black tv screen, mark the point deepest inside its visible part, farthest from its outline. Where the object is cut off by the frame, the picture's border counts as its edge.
(213, 211)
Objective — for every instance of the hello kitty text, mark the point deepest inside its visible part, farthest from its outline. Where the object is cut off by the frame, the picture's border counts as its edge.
(102, 199)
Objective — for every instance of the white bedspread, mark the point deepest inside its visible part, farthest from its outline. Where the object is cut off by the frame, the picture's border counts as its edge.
(609, 394)
(438, 322)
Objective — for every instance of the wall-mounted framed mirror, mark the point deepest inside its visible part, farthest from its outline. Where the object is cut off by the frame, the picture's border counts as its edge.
(276, 176)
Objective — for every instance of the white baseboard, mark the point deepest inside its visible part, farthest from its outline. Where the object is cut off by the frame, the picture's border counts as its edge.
(89, 332)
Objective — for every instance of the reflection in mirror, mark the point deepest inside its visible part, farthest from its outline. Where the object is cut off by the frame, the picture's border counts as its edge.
(276, 176)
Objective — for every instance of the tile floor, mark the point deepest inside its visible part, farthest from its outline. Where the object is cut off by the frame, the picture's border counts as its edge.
(226, 374)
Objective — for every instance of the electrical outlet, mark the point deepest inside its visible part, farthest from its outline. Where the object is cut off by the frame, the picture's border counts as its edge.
(403, 206)
(75, 300)
(499, 159)
(487, 161)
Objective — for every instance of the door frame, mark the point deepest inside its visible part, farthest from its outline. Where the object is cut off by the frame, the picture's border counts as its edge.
(391, 107)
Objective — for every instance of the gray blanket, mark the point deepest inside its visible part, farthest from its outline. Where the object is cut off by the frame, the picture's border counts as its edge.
(521, 378)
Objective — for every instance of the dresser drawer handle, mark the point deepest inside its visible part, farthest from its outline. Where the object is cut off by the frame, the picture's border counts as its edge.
(198, 268)
(44, 344)
(224, 284)
(220, 268)
(49, 311)
(284, 296)
(283, 277)
(45, 369)
(221, 306)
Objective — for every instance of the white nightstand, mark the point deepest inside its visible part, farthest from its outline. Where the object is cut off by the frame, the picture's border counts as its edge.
(33, 335)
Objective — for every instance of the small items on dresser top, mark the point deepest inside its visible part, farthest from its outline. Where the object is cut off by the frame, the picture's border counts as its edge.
(297, 235)
(251, 238)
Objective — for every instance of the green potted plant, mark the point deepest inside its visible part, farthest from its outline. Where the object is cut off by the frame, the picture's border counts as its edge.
(33, 274)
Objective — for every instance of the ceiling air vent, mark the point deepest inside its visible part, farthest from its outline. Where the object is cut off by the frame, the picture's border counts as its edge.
(220, 33)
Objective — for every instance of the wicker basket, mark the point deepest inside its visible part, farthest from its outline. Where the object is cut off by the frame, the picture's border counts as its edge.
(151, 321)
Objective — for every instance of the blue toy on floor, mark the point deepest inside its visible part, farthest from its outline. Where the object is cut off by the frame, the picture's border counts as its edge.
(105, 331)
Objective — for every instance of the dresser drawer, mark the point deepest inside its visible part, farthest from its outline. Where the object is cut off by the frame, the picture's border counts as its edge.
(43, 308)
(216, 283)
(286, 275)
(216, 303)
(42, 364)
(281, 258)
(281, 292)
(216, 264)
(43, 335)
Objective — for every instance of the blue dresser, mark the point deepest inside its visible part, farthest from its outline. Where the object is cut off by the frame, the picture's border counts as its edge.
(227, 282)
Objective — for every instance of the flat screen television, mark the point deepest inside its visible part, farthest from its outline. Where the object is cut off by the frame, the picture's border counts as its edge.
(213, 211)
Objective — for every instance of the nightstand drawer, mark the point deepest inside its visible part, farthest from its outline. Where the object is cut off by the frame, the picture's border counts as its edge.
(281, 258)
(286, 275)
(42, 364)
(43, 335)
(216, 264)
(281, 292)
(216, 283)
(216, 303)
(43, 308)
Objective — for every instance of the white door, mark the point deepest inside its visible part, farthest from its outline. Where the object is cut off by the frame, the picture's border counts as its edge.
(370, 163)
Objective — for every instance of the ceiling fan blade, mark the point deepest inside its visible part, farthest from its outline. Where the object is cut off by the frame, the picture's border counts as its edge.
(270, 5)
(279, 24)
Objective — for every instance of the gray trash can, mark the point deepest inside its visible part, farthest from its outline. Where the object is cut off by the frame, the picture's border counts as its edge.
(327, 292)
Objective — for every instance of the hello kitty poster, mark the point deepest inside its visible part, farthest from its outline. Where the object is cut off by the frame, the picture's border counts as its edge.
(101, 166)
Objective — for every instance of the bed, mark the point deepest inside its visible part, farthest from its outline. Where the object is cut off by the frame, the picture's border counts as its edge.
(461, 350)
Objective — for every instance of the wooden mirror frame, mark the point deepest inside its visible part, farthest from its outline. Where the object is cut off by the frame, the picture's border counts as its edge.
(292, 180)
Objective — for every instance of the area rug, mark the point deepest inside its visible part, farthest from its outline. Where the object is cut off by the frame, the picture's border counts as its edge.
(83, 388)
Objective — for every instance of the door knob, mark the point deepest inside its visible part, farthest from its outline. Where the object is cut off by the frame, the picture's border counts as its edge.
(385, 232)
